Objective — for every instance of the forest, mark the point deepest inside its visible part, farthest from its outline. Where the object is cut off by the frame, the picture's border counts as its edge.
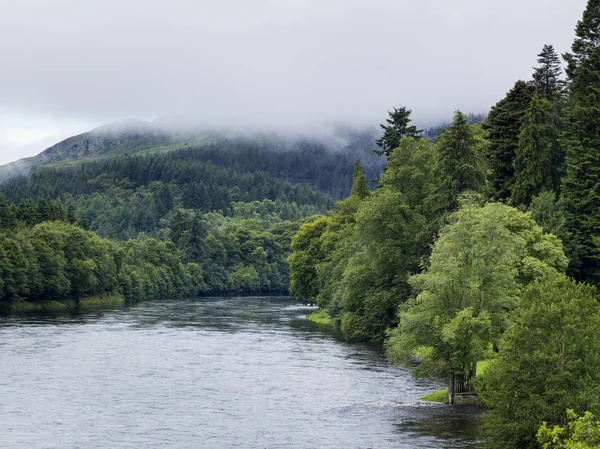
(223, 212)
(477, 254)
(471, 250)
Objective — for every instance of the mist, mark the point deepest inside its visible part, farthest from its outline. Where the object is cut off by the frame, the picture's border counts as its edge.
(267, 65)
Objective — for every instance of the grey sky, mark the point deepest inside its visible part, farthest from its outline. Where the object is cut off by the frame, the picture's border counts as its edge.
(68, 65)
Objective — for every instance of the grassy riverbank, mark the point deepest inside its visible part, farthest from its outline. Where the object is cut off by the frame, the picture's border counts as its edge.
(58, 305)
(320, 316)
(442, 395)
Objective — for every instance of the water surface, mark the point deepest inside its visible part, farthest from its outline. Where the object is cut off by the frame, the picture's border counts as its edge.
(209, 373)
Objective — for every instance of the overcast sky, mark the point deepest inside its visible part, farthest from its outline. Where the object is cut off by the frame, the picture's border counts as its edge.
(70, 65)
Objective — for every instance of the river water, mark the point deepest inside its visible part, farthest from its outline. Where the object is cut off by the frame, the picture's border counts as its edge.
(209, 373)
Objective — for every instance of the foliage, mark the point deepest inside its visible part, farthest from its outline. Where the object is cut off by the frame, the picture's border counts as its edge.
(459, 167)
(582, 432)
(533, 158)
(547, 76)
(549, 361)
(397, 127)
(476, 272)
(582, 182)
(503, 125)
(306, 254)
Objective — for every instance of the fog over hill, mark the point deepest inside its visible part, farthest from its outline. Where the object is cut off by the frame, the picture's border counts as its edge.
(261, 65)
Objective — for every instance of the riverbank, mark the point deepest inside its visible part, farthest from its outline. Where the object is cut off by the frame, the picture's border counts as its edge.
(442, 395)
(320, 316)
(61, 305)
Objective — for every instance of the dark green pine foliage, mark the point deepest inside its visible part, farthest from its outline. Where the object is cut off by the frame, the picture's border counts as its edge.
(547, 76)
(533, 161)
(397, 127)
(459, 167)
(504, 125)
(581, 185)
(360, 187)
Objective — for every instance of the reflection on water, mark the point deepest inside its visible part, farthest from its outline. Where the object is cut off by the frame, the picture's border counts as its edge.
(213, 373)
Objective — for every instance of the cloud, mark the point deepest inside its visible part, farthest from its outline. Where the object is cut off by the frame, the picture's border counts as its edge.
(270, 63)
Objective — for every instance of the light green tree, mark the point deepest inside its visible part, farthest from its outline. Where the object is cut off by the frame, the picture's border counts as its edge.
(477, 270)
(582, 432)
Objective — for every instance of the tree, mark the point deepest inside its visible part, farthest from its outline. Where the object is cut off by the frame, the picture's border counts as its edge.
(397, 128)
(373, 245)
(459, 166)
(581, 185)
(359, 182)
(547, 76)
(503, 125)
(375, 277)
(548, 361)
(582, 432)
(306, 254)
(533, 159)
(476, 273)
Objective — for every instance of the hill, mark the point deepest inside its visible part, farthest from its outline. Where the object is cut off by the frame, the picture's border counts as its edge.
(325, 163)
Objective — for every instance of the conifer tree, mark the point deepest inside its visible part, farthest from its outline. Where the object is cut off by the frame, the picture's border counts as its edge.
(533, 161)
(547, 76)
(397, 128)
(581, 185)
(459, 167)
(503, 125)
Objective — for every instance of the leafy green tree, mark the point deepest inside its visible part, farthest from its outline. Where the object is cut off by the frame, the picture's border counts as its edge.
(306, 254)
(547, 76)
(581, 185)
(476, 272)
(409, 171)
(398, 126)
(503, 125)
(533, 159)
(582, 432)
(386, 252)
(360, 187)
(548, 361)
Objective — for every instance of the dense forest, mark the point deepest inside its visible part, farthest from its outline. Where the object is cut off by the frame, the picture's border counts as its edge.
(479, 249)
(470, 249)
(225, 211)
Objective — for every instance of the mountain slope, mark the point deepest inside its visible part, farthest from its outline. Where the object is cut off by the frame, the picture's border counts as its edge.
(323, 163)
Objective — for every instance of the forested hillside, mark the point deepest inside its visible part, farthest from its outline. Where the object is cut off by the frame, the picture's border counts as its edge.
(325, 163)
(481, 245)
(227, 206)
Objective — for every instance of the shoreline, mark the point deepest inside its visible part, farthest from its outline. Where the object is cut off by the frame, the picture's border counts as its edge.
(63, 305)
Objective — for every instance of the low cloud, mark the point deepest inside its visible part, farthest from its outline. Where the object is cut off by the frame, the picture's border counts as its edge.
(285, 64)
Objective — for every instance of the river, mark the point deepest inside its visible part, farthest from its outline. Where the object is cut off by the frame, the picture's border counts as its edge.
(248, 372)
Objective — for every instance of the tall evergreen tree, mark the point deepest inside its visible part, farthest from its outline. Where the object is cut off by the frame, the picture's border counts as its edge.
(504, 125)
(459, 167)
(547, 76)
(581, 185)
(397, 128)
(533, 161)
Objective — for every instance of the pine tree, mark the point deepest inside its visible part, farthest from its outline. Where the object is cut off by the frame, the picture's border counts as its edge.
(581, 185)
(459, 167)
(533, 161)
(398, 128)
(546, 77)
(503, 125)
